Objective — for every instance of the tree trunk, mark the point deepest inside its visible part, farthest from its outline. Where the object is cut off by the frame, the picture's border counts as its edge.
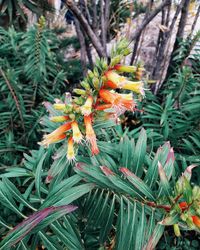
(83, 47)
(158, 71)
(85, 25)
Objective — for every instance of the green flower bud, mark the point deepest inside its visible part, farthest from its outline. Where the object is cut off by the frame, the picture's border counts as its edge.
(90, 74)
(72, 116)
(177, 230)
(96, 83)
(196, 193)
(68, 108)
(184, 217)
(85, 85)
(79, 91)
(115, 60)
(189, 222)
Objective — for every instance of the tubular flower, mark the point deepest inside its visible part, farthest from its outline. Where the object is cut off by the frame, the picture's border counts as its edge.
(103, 106)
(196, 220)
(70, 150)
(60, 118)
(86, 109)
(51, 140)
(136, 87)
(56, 135)
(90, 135)
(116, 81)
(125, 68)
(183, 205)
(77, 136)
(120, 102)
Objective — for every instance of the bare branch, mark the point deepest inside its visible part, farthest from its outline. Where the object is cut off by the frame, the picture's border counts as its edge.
(83, 47)
(103, 26)
(149, 18)
(85, 25)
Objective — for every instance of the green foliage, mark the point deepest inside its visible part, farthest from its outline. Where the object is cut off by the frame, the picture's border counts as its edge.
(31, 71)
(128, 194)
(14, 9)
(174, 114)
(110, 201)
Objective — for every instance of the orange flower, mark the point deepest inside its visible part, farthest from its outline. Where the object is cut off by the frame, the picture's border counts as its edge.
(77, 136)
(56, 135)
(70, 150)
(90, 135)
(116, 81)
(51, 140)
(86, 109)
(120, 102)
(103, 106)
(183, 205)
(196, 220)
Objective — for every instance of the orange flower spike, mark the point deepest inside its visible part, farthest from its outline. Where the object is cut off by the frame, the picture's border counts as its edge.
(90, 135)
(56, 134)
(53, 139)
(77, 136)
(70, 150)
(196, 220)
(86, 109)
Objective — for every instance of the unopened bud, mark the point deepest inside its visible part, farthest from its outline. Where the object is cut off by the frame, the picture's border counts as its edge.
(72, 116)
(177, 230)
(90, 74)
(96, 73)
(79, 100)
(68, 108)
(58, 118)
(59, 106)
(196, 193)
(184, 217)
(115, 60)
(126, 51)
(79, 91)
(189, 222)
(96, 83)
(85, 85)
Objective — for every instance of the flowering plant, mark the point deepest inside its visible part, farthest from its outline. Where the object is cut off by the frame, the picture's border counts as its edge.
(97, 99)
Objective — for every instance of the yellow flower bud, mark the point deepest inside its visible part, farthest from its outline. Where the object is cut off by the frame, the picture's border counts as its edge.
(177, 230)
